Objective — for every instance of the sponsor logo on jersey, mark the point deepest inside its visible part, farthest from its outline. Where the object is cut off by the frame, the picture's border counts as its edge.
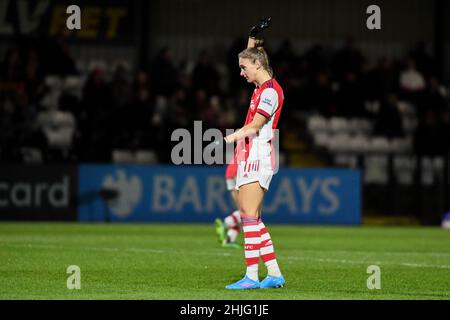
(267, 101)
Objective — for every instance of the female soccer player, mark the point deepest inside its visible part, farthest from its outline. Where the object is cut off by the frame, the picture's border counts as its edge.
(232, 222)
(255, 156)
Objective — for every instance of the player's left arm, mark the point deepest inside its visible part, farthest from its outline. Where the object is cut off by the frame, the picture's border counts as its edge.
(250, 129)
(266, 108)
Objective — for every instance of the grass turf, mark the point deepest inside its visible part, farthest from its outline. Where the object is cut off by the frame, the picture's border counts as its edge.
(173, 261)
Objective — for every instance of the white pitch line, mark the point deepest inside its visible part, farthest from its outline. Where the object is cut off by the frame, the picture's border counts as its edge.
(216, 253)
(418, 265)
(432, 253)
(365, 262)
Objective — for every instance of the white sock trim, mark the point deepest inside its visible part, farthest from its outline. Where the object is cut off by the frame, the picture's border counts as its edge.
(252, 272)
(272, 268)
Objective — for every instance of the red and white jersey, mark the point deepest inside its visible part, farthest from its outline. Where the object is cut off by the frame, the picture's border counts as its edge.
(267, 100)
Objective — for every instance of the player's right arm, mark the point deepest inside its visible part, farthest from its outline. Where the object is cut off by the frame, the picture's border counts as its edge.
(251, 42)
(255, 30)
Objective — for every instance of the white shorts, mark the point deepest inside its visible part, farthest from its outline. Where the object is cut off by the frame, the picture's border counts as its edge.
(252, 171)
(231, 184)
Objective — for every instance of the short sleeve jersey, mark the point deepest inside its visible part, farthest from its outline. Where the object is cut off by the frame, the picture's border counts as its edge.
(267, 100)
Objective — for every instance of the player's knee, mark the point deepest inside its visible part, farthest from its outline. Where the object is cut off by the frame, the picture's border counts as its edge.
(229, 222)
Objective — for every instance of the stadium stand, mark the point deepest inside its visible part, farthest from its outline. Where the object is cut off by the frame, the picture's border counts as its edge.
(390, 118)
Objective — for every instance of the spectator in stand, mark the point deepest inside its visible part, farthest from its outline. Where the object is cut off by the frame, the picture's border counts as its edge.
(12, 65)
(285, 54)
(348, 59)
(95, 118)
(388, 121)
(320, 96)
(205, 75)
(427, 136)
(412, 82)
(350, 97)
(164, 73)
(380, 80)
(424, 62)
(445, 128)
(316, 60)
(180, 114)
(433, 98)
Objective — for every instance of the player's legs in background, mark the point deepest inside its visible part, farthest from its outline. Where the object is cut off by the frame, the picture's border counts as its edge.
(233, 222)
(228, 229)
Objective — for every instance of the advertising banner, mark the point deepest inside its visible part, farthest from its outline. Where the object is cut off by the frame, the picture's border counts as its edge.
(38, 192)
(101, 21)
(198, 194)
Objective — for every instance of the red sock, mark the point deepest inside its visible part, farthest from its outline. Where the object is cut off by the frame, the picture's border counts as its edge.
(266, 250)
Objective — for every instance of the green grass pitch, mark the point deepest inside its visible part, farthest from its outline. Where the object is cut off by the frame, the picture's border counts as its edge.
(185, 261)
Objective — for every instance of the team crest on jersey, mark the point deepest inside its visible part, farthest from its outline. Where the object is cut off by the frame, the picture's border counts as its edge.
(252, 102)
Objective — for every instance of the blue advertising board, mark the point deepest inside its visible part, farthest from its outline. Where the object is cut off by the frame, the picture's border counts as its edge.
(133, 193)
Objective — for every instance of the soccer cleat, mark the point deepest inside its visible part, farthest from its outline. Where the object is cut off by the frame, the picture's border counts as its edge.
(220, 230)
(243, 284)
(272, 282)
